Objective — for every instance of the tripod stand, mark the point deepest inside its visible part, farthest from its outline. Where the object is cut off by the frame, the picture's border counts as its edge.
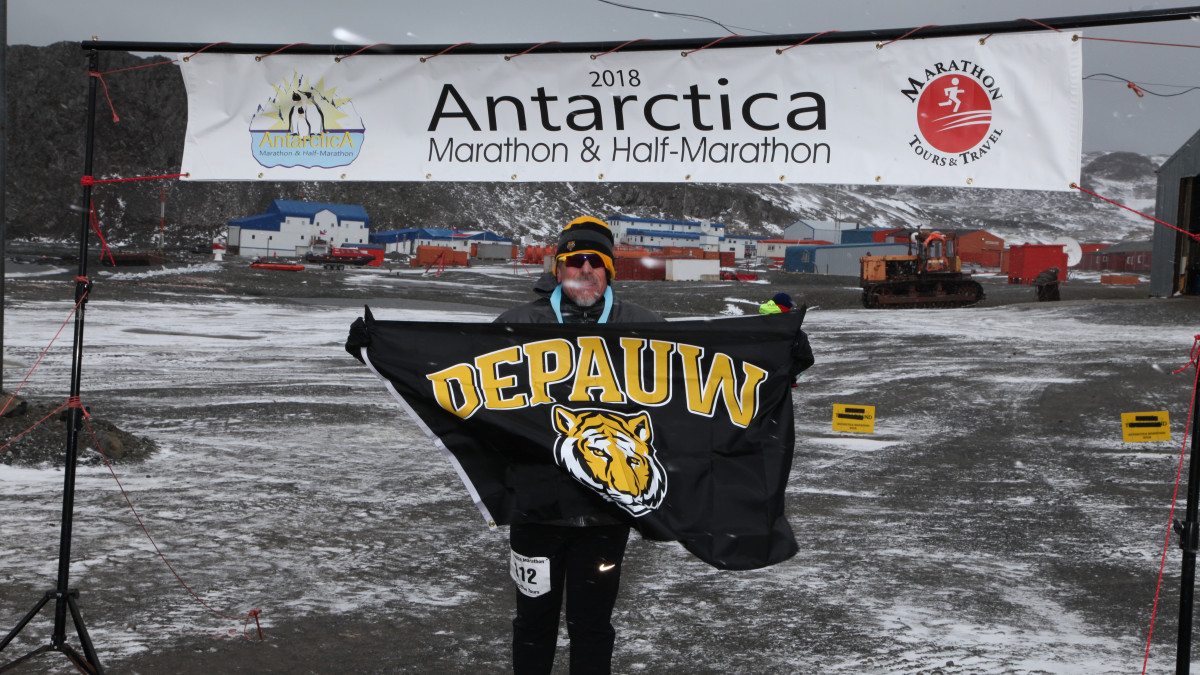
(65, 598)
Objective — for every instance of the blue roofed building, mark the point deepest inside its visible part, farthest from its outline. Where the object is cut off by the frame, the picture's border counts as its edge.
(407, 240)
(658, 233)
(293, 228)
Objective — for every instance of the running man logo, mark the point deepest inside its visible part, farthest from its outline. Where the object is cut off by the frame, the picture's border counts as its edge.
(954, 109)
(858, 419)
(1144, 427)
(954, 113)
(611, 453)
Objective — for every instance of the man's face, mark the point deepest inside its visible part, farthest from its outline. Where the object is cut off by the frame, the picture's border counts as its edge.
(583, 278)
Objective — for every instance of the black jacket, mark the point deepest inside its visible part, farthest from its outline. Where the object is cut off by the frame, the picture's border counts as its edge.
(543, 493)
(540, 311)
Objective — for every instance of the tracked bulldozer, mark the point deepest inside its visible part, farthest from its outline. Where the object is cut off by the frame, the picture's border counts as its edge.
(930, 276)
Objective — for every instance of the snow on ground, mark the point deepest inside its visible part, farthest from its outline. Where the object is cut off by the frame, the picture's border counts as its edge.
(288, 480)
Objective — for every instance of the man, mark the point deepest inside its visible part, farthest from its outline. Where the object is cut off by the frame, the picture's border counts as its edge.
(1046, 285)
(579, 551)
(782, 302)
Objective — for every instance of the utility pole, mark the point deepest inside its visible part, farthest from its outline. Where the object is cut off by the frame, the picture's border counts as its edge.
(3, 182)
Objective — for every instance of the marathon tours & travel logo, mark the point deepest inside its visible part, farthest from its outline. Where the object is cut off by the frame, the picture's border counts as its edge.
(305, 124)
(954, 103)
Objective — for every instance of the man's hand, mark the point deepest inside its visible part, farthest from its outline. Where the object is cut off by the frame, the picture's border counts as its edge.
(360, 334)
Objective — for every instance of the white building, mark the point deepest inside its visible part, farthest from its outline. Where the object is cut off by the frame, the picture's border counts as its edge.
(654, 233)
(823, 230)
(293, 228)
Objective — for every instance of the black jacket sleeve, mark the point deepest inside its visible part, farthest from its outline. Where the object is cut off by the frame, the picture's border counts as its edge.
(360, 334)
(802, 356)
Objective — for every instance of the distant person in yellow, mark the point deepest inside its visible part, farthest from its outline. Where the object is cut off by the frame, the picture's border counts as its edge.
(782, 302)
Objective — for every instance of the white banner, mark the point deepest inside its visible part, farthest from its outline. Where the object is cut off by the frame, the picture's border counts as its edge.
(950, 112)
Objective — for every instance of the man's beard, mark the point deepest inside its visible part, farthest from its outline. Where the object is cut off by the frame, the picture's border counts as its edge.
(584, 295)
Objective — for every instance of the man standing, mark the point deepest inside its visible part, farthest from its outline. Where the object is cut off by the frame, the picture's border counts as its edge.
(1046, 285)
(577, 551)
(782, 302)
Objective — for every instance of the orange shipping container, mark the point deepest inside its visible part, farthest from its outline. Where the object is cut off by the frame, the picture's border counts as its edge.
(1026, 261)
(649, 268)
(428, 255)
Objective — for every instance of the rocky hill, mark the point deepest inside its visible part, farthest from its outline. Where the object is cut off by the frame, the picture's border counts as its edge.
(141, 133)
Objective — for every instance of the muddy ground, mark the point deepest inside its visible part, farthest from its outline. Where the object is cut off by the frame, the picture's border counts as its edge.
(995, 523)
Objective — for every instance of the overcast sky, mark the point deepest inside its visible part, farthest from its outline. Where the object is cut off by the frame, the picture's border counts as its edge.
(1115, 118)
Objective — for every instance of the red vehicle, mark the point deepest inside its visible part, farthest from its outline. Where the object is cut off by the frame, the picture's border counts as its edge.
(338, 258)
(267, 264)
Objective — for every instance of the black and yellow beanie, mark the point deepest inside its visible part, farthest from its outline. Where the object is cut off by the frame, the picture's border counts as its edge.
(590, 235)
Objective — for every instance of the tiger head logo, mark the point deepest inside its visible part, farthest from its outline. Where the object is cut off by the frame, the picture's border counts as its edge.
(611, 453)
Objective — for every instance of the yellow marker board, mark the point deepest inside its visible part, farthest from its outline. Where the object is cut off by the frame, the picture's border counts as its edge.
(859, 419)
(1143, 427)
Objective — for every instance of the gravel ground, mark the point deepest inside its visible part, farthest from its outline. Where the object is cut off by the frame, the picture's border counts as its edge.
(994, 523)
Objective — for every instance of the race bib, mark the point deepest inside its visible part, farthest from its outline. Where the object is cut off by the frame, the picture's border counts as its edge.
(532, 575)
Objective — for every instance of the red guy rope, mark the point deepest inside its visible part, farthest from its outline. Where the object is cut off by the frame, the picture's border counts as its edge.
(95, 221)
(189, 56)
(1100, 39)
(1140, 42)
(780, 51)
(339, 59)
(881, 45)
(1083, 189)
(100, 76)
(693, 51)
(426, 58)
(285, 47)
(253, 614)
(548, 42)
(617, 48)
(89, 180)
(144, 65)
(1194, 360)
(35, 425)
(43, 354)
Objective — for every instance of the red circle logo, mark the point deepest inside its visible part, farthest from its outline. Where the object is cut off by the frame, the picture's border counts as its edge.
(954, 113)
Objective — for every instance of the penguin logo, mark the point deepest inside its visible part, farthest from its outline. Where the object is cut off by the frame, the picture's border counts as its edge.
(306, 124)
(305, 117)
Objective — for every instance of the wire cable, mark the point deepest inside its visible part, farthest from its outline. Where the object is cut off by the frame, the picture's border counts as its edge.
(693, 17)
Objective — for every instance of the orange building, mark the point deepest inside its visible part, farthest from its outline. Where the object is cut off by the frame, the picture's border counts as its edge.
(980, 247)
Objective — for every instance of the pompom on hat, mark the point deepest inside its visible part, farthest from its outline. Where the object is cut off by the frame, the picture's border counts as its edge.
(586, 235)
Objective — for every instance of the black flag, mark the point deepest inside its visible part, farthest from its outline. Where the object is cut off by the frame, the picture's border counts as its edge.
(684, 429)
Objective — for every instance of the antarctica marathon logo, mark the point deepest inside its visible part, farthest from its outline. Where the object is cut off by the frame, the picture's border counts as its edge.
(306, 124)
(954, 103)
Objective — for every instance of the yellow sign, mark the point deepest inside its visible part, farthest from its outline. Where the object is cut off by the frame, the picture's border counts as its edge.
(859, 419)
(1143, 427)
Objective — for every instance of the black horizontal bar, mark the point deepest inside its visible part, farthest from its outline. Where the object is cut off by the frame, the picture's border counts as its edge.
(1015, 26)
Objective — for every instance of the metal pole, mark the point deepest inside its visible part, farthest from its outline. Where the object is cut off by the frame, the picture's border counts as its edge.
(74, 413)
(1189, 537)
(65, 598)
(3, 183)
(1016, 26)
